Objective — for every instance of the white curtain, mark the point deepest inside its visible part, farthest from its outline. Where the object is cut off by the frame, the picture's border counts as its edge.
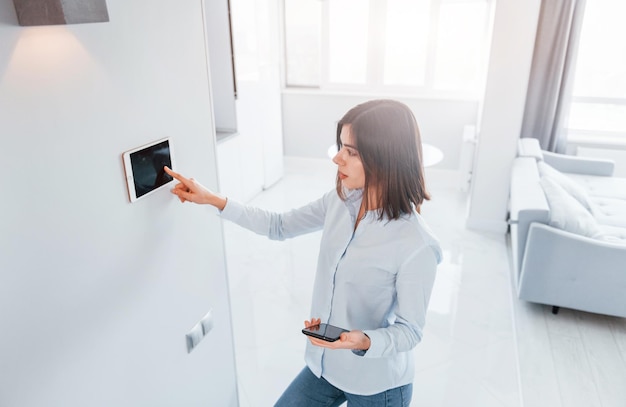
(547, 99)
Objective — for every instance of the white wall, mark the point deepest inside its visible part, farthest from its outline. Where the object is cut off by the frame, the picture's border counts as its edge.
(97, 294)
(253, 159)
(513, 40)
(310, 121)
(220, 60)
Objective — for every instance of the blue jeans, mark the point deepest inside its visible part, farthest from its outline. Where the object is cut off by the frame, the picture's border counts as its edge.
(307, 390)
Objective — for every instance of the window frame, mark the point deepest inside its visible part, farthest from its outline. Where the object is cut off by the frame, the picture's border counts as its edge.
(375, 62)
(584, 136)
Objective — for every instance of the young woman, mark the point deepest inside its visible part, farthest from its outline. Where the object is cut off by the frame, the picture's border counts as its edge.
(376, 264)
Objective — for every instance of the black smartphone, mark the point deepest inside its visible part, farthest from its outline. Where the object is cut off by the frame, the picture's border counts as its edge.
(324, 332)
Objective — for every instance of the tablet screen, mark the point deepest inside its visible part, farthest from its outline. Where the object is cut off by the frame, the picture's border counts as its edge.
(147, 166)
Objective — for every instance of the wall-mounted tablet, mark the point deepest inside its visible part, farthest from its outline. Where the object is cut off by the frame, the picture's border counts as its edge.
(144, 168)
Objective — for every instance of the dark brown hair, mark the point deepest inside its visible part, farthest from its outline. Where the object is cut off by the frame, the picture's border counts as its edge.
(387, 137)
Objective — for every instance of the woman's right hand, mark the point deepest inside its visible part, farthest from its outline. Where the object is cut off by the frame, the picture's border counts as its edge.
(312, 322)
(188, 189)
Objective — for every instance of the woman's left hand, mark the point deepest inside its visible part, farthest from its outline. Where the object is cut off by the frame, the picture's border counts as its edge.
(355, 340)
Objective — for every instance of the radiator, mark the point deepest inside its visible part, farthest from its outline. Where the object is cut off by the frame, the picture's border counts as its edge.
(466, 161)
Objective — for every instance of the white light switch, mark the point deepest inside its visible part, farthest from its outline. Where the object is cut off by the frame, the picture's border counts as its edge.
(194, 337)
(207, 322)
(199, 331)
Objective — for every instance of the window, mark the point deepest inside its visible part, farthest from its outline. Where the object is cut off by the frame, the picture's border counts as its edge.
(303, 23)
(347, 51)
(598, 105)
(400, 46)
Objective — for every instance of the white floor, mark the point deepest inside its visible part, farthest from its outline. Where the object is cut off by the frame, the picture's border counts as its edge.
(572, 359)
(469, 355)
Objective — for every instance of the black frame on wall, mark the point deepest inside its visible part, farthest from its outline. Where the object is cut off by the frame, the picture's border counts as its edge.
(55, 12)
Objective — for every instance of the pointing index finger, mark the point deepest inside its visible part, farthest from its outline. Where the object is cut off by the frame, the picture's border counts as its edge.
(185, 181)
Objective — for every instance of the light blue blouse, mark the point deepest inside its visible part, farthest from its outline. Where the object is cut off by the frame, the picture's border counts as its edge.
(377, 279)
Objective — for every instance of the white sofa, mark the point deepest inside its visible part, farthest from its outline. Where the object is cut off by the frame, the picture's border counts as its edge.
(567, 218)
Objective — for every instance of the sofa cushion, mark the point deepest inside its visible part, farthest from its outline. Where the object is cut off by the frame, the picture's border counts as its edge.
(566, 213)
(609, 211)
(568, 184)
(611, 234)
(607, 187)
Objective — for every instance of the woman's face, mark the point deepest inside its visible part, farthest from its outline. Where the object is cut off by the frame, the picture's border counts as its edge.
(348, 160)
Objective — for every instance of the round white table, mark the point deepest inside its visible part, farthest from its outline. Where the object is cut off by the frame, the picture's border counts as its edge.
(431, 154)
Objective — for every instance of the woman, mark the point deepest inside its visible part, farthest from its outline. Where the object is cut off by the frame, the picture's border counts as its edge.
(376, 265)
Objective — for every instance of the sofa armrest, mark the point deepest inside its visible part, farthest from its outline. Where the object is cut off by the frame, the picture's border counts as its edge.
(529, 147)
(572, 271)
(579, 165)
(527, 204)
